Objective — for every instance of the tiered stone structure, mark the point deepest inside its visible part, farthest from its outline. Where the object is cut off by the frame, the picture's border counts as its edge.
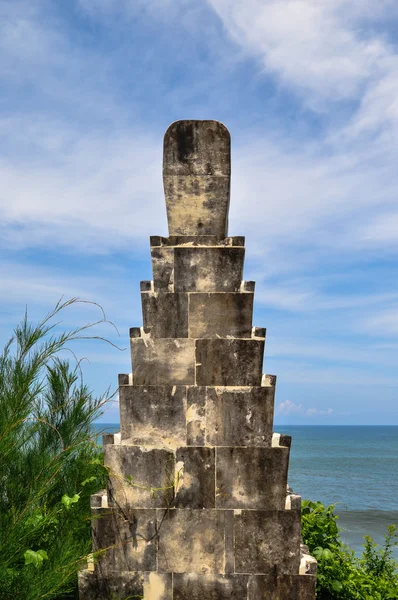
(197, 505)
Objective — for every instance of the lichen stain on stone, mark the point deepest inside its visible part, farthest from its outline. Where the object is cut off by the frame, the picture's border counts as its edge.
(179, 476)
(154, 587)
(195, 413)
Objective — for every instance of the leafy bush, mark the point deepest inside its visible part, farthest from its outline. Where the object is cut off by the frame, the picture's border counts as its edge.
(49, 463)
(341, 575)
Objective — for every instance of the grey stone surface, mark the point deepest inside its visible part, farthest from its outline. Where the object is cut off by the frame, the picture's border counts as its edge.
(140, 477)
(153, 415)
(267, 541)
(229, 362)
(123, 379)
(285, 440)
(196, 177)
(193, 586)
(261, 486)
(195, 478)
(96, 499)
(220, 314)
(163, 361)
(216, 269)
(145, 286)
(127, 539)
(191, 541)
(281, 587)
(230, 416)
(120, 586)
(248, 286)
(196, 240)
(163, 269)
(108, 438)
(166, 314)
(196, 416)
(239, 416)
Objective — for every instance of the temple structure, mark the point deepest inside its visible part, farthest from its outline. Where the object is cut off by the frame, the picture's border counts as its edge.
(197, 505)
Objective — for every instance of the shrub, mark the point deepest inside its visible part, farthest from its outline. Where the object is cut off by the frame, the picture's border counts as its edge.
(341, 575)
(49, 463)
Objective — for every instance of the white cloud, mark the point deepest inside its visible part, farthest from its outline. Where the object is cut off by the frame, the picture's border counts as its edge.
(289, 408)
(316, 48)
(91, 192)
(98, 190)
(315, 411)
(383, 323)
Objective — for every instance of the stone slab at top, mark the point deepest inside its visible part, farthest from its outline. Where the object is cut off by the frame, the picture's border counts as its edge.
(196, 177)
(157, 241)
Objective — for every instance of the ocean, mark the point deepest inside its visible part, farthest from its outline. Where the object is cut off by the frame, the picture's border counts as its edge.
(353, 467)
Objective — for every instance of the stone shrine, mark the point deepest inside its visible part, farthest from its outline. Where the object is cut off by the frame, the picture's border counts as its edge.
(197, 505)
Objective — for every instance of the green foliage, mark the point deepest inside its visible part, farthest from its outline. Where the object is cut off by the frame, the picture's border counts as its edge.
(35, 558)
(341, 575)
(49, 463)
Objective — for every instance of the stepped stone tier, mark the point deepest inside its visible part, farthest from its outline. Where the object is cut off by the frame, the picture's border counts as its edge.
(197, 505)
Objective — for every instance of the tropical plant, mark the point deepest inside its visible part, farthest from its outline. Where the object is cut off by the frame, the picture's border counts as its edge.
(342, 575)
(49, 461)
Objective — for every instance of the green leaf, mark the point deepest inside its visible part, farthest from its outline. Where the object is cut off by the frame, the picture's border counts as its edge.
(317, 552)
(35, 558)
(67, 501)
(88, 480)
(327, 554)
(34, 519)
(337, 586)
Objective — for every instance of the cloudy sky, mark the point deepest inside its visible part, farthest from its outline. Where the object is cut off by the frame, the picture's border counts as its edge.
(309, 92)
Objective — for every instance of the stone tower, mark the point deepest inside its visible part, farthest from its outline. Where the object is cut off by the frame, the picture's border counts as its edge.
(197, 505)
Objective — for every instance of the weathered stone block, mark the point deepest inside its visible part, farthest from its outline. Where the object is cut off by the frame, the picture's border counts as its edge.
(163, 361)
(267, 541)
(163, 268)
(140, 477)
(193, 586)
(258, 332)
(195, 478)
(262, 486)
(153, 415)
(97, 499)
(281, 587)
(224, 416)
(215, 269)
(292, 501)
(146, 286)
(196, 240)
(110, 438)
(148, 585)
(238, 417)
(229, 362)
(192, 147)
(124, 379)
(203, 535)
(197, 204)
(248, 286)
(220, 314)
(126, 537)
(166, 314)
(196, 177)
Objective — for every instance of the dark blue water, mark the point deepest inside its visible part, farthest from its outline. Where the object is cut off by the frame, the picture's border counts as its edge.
(355, 468)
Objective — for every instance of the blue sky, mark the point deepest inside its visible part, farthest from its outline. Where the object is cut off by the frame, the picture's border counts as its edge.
(309, 92)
